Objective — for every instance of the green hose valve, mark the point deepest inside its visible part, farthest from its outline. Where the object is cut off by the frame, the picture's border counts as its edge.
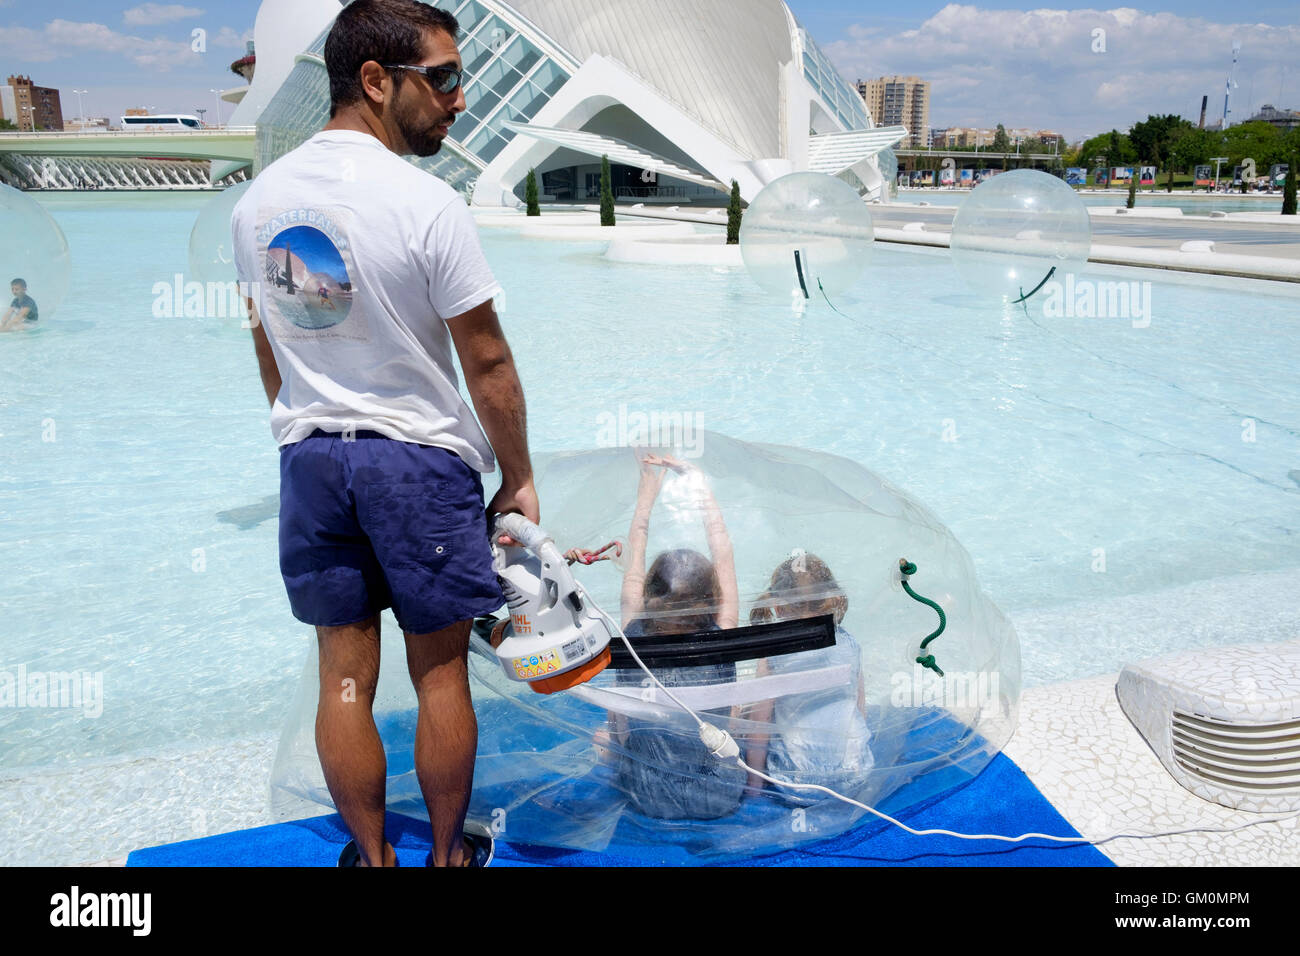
(907, 568)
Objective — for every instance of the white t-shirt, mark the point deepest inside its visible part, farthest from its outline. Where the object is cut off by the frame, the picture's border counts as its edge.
(359, 258)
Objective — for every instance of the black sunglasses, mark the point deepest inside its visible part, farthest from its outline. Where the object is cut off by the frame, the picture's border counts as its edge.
(444, 79)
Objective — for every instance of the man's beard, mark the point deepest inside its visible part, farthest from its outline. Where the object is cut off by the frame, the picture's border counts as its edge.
(420, 140)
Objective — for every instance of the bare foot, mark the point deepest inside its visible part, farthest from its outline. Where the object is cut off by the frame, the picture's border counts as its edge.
(390, 856)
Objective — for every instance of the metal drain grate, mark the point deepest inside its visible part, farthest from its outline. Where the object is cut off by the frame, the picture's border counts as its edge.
(1263, 757)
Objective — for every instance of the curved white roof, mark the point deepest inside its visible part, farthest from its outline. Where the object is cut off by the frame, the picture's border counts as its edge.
(717, 59)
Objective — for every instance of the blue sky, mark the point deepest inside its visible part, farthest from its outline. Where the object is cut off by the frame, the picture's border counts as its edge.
(315, 250)
(1027, 64)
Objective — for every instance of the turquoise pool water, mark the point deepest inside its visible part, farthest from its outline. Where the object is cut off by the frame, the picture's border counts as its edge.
(140, 542)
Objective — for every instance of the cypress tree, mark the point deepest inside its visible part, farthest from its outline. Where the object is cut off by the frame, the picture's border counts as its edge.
(733, 215)
(1133, 186)
(1288, 191)
(530, 194)
(606, 194)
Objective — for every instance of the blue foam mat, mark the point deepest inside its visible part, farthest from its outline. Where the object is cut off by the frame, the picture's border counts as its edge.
(1000, 800)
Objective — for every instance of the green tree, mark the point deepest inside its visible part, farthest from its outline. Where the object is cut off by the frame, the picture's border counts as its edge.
(1291, 141)
(1121, 152)
(734, 215)
(7, 125)
(530, 194)
(606, 194)
(1088, 151)
(1193, 149)
(1001, 144)
(1261, 141)
(1154, 139)
(1001, 141)
(1288, 192)
(1133, 187)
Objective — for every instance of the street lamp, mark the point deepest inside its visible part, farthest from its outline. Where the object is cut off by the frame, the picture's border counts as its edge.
(1217, 160)
(217, 94)
(201, 112)
(81, 107)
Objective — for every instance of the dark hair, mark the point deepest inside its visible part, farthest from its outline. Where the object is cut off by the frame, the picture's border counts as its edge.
(21, 282)
(682, 592)
(386, 31)
(802, 586)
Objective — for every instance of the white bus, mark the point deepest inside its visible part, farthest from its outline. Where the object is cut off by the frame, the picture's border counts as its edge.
(162, 122)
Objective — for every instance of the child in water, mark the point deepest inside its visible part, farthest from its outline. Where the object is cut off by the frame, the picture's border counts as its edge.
(668, 773)
(818, 737)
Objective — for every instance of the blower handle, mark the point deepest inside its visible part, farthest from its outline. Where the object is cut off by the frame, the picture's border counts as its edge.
(522, 530)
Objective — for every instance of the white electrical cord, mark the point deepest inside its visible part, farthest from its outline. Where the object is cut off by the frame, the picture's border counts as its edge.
(723, 746)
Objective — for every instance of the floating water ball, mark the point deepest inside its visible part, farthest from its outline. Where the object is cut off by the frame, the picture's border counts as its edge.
(816, 541)
(806, 234)
(212, 257)
(1018, 231)
(34, 250)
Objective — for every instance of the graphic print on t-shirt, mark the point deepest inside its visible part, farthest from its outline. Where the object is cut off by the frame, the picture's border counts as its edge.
(308, 279)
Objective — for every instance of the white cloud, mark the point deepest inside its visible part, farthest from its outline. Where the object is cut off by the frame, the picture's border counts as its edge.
(1037, 68)
(148, 14)
(226, 37)
(67, 39)
(25, 44)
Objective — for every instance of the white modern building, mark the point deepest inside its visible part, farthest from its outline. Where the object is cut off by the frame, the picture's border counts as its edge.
(683, 96)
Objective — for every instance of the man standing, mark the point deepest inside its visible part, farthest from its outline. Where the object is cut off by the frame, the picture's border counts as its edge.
(381, 501)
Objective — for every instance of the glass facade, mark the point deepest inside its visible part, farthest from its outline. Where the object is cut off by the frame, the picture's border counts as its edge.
(887, 163)
(299, 109)
(837, 93)
(507, 78)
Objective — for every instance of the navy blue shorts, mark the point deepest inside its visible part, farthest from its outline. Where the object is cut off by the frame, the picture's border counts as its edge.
(376, 523)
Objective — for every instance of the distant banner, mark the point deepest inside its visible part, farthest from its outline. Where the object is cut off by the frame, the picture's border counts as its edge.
(1148, 177)
(1204, 176)
(1277, 174)
(1076, 176)
(946, 176)
(1121, 174)
(1100, 177)
(927, 177)
(1236, 174)
(984, 174)
(968, 177)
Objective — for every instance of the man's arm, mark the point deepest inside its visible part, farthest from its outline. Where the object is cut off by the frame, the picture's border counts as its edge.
(266, 366)
(498, 399)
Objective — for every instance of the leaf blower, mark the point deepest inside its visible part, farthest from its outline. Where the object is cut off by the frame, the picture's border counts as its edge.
(556, 637)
